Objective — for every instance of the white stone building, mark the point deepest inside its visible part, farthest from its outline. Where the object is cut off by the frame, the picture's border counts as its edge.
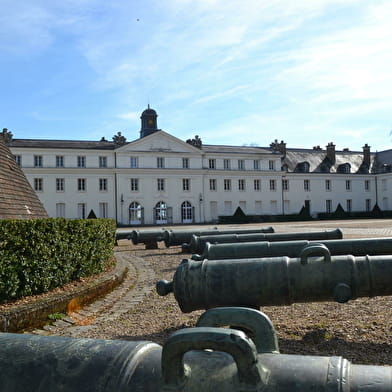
(160, 179)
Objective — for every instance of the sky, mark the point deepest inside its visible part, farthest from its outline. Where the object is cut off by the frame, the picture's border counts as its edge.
(234, 72)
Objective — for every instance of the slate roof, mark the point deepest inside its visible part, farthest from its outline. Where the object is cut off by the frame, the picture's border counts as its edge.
(17, 198)
(63, 144)
(383, 162)
(220, 149)
(319, 163)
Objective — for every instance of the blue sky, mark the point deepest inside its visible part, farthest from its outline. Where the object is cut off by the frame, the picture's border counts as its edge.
(232, 71)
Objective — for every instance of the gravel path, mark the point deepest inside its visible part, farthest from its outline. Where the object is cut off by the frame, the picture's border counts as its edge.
(360, 330)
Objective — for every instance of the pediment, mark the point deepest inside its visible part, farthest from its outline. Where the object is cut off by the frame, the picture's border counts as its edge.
(159, 141)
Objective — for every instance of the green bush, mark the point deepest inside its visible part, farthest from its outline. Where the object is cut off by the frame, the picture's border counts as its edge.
(38, 255)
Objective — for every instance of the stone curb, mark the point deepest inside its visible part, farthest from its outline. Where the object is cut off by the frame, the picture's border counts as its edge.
(138, 283)
(35, 314)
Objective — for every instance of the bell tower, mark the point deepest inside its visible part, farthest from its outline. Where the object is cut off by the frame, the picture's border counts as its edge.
(149, 122)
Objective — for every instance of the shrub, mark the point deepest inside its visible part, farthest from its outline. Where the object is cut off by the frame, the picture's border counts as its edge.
(40, 254)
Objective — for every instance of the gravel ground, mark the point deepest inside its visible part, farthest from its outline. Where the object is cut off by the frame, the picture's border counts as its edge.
(360, 331)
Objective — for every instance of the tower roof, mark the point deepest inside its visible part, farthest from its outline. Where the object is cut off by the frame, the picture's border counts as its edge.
(17, 198)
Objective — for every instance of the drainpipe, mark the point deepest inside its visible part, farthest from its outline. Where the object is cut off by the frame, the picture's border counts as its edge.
(115, 187)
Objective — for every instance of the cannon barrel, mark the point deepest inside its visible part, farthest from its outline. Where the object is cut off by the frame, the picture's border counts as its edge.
(198, 243)
(205, 358)
(45, 363)
(245, 250)
(144, 236)
(184, 236)
(278, 280)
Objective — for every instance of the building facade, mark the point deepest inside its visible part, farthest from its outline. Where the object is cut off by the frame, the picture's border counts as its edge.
(160, 179)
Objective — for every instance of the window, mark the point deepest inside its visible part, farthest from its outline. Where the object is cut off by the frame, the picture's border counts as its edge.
(37, 160)
(306, 185)
(241, 185)
(160, 162)
(185, 163)
(212, 184)
(348, 185)
(256, 185)
(103, 210)
(135, 213)
(367, 185)
(60, 184)
(344, 168)
(103, 161)
(272, 184)
(186, 212)
(18, 159)
(186, 184)
(227, 184)
(305, 167)
(82, 210)
(226, 164)
(271, 165)
(134, 184)
(81, 184)
(256, 164)
(285, 184)
(348, 205)
(160, 212)
(134, 162)
(368, 204)
(103, 184)
(60, 210)
(211, 163)
(327, 185)
(81, 161)
(328, 206)
(241, 164)
(59, 161)
(161, 184)
(38, 184)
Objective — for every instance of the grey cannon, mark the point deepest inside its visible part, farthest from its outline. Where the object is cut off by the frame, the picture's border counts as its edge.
(356, 247)
(278, 280)
(184, 236)
(198, 243)
(45, 363)
(294, 373)
(148, 237)
(205, 358)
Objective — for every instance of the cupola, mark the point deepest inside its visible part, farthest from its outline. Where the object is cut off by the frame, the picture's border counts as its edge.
(149, 122)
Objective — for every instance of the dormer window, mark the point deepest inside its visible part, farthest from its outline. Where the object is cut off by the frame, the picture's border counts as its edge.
(303, 167)
(344, 168)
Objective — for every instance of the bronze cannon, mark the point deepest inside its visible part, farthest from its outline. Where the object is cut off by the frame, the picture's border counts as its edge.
(198, 243)
(205, 358)
(176, 237)
(314, 276)
(245, 250)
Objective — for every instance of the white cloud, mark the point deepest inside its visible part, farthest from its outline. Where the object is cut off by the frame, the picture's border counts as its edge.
(129, 116)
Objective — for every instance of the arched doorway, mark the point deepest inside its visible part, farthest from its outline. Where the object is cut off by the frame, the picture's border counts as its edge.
(186, 212)
(135, 213)
(160, 213)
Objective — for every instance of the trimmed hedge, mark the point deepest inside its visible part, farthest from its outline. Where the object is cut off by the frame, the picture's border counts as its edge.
(37, 255)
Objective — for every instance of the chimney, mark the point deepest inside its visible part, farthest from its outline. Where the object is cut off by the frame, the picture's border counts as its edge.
(366, 155)
(282, 147)
(331, 152)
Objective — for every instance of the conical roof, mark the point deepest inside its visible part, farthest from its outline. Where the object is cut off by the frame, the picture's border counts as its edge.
(17, 198)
